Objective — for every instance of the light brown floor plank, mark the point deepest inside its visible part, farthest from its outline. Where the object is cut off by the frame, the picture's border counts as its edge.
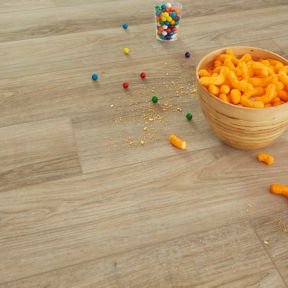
(37, 152)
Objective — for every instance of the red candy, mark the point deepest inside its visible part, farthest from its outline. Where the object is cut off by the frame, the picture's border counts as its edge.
(143, 75)
(125, 85)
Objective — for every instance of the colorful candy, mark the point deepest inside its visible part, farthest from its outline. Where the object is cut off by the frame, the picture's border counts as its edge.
(95, 77)
(125, 85)
(126, 51)
(187, 54)
(143, 75)
(167, 19)
(155, 99)
(189, 116)
(125, 26)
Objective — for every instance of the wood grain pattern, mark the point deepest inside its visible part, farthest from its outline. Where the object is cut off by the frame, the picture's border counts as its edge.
(189, 261)
(82, 202)
(37, 152)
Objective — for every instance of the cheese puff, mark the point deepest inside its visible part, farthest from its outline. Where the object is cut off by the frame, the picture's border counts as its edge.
(217, 63)
(224, 89)
(217, 69)
(274, 62)
(244, 70)
(215, 80)
(222, 58)
(256, 91)
(250, 103)
(265, 158)
(260, 69)
(235, 96)
(265, 62)
(283, 95)
(229, 52)
(228, 63)
(279, 86)
(268, 105)
(204, 73)
(214, 90)
(283, 69)
(276, 101)
(224, 97)
(263, 82)
(240, 85)
(269, 95)
(246, 58)
(238, 71)
(283, 78)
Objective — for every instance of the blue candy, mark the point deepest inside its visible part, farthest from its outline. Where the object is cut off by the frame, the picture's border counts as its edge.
(94, 77)
(167, 23)
(163, 7)
(173, 15)
(125, 26)
(171, 33)
(168, 37)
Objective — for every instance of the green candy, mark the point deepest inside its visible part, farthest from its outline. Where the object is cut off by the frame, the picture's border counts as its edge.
(189, 116)
(176, 23)
(154, 99)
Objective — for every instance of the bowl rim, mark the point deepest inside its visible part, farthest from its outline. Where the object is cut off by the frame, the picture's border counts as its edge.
(239, 47)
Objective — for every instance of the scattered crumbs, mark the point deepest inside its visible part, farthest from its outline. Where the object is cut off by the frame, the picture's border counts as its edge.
(167, 73)
(145, 128)
(266, 242)
(179, 109)
(151, 119)
(112, 105)
(283, 225)
(250, 205)
(142, 142)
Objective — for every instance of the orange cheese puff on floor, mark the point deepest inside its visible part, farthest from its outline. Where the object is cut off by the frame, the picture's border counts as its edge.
(265, 158)
(177, 142)
(279, 189)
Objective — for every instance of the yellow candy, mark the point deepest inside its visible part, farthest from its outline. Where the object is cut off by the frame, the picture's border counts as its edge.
(126, 51)
(172, 22)
(169, 19)
(163, 18)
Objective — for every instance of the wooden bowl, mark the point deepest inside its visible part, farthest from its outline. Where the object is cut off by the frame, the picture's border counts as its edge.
(241, 127)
